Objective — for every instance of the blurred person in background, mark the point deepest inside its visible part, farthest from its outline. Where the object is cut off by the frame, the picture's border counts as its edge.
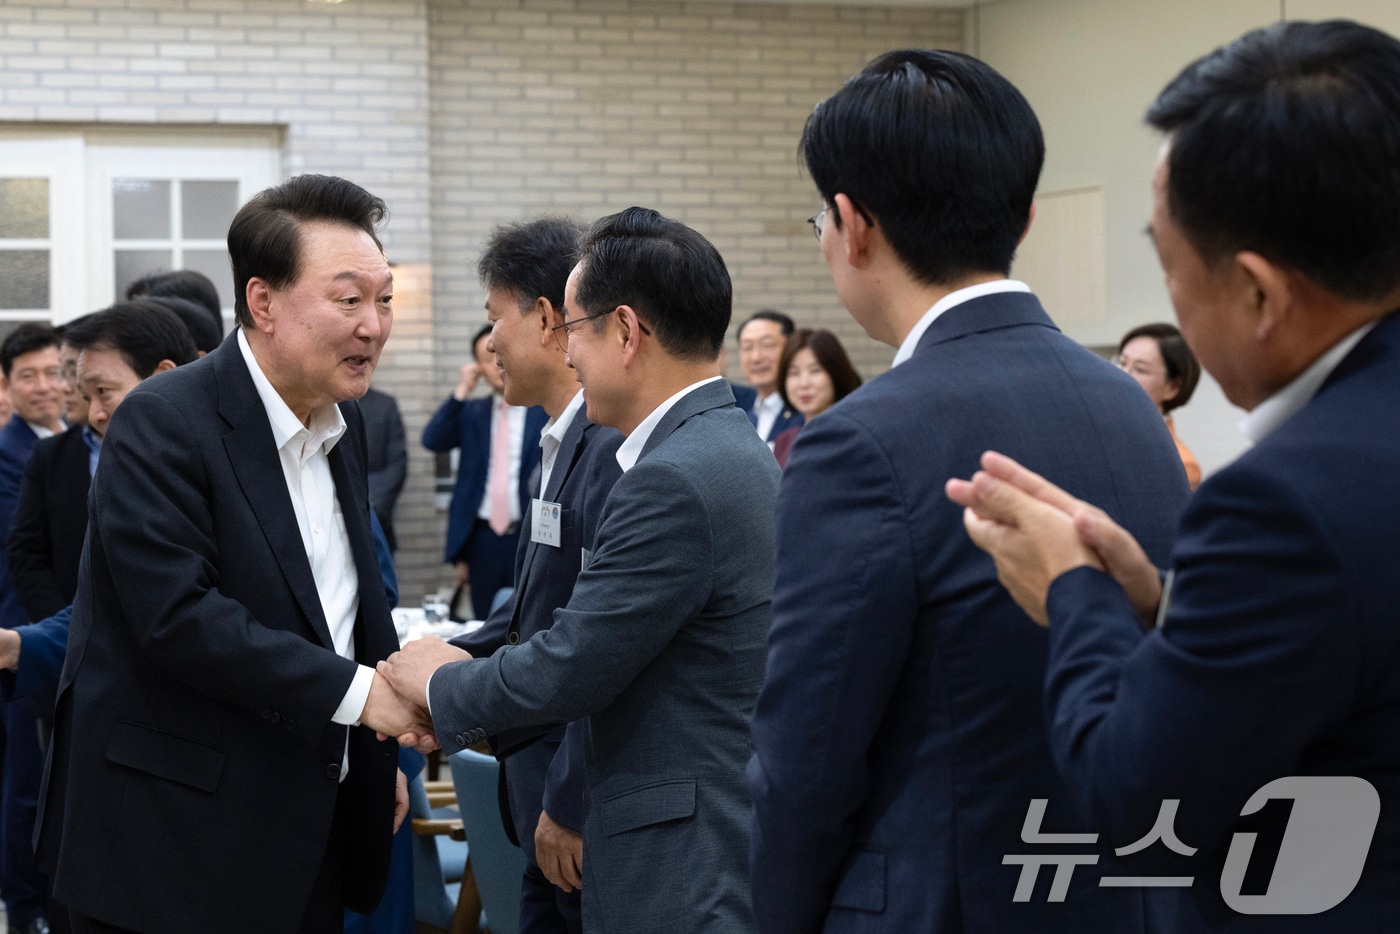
(1157, 357)
(761, 342)
(186, 284)
(817, 375)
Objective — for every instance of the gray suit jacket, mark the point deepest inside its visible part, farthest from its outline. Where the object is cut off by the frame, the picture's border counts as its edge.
(662, 648)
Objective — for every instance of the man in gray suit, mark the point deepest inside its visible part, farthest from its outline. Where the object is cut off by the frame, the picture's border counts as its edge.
(661, 646)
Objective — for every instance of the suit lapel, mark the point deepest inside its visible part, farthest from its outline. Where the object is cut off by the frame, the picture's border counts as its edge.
(569, 449)
(256, 463)
(355, 511)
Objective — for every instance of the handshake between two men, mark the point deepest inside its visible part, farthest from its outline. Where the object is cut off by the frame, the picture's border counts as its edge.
(397, 705)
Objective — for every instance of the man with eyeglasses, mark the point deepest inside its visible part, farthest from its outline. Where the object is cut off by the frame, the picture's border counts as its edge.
(661, 645)
(761, 341)
(899, 739)
(32, 375)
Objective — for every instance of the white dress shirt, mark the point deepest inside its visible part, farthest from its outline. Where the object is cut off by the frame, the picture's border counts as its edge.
(631, 449)
(40, 430)
(947, 303)
(553, 436)
(767, 409)
(302, 451)
(516, 414)
(1282, 405)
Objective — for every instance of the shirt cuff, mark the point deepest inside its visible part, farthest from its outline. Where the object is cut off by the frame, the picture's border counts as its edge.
(353, 704)
(428, 694)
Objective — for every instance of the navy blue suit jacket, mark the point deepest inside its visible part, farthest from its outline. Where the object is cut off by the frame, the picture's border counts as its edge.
(1279, 654)
(550, 774)
(17, 442)
(746, 396)
(467, 426)
(900, 735)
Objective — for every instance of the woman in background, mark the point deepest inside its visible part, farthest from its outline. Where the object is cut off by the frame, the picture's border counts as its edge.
(817, 375)
(1157, 357)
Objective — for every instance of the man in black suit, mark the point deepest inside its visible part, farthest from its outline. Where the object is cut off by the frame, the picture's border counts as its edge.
(761, 341)
(209, 770)
(524, 270)
(388, 457)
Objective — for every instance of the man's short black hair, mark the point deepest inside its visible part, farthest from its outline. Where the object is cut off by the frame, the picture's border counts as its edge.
(1286, 142)
(194, 318)
(264, 240)
(770, 314)
(143, 331)
(481, 332)
(531, 259)
(26, 338)
(940, 150)
(671, 276)
(184, 284)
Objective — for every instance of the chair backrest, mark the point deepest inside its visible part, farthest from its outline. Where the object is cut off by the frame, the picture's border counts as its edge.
(497, 864)
(431, 902)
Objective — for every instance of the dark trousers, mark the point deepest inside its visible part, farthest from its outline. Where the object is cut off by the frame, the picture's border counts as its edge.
(547, 909)
(23, 886)
(491, 562)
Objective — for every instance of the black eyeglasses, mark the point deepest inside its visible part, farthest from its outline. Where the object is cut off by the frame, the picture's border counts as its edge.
(570, 323)
(819, 218)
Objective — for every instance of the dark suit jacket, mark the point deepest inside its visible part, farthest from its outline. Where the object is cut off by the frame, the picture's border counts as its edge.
(17, 442)
(46, 536)
(388, 457)
(194, 770)
(900, 735)
(1279, 655)
(41, 657)
(467, 426)
(746, 396)
(661, 648)
(550, 773)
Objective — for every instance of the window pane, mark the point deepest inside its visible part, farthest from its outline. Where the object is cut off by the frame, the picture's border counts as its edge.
(133, 264)
(207, 208)
(140, 209)
(24, 208)
(24, 279)
(215, 265)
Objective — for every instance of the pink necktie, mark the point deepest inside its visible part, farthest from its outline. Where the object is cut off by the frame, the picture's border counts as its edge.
(499, 486)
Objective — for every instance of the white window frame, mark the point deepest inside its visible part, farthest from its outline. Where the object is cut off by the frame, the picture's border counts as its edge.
(57, 157)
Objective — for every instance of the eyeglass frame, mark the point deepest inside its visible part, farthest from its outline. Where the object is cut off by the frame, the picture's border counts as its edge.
(568, 323)
(819, 218)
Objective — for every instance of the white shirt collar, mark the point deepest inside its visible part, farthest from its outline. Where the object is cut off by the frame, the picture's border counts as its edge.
(327, 424)
(1282, 405)
(40, 430)
(773, 402)
(631, 449)
(952, 300)
(556, 428)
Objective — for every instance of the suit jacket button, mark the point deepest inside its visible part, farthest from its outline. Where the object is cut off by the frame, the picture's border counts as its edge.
(514, 637)
(276, 718)
(462, 740)
(267, 713)
(290, 724)
(333, 771)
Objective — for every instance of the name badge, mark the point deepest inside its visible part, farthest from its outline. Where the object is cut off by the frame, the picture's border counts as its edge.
(544, 530)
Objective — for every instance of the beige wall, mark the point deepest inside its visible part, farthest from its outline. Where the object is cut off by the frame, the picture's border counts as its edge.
(1090, 68)
(584, 107)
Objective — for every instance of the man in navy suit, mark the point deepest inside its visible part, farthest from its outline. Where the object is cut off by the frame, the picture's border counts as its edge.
(1275, 658)
(899, 739)
(761, 340)
(31, 373)
(524, 269)
(492, 491)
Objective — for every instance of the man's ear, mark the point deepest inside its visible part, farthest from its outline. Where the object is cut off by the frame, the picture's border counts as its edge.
(629, 332)
(1274, 292)
(543, 315)
(855, 231)
(258, 294)
(164, 365)
(1030, 219)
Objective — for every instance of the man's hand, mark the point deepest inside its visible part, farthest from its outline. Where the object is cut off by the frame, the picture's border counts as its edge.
(467, 377)
(559, 852)
(409, 669)
(400, 799)
(390, 714)
(463, 574)
(1018, 517)
(9, 648)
